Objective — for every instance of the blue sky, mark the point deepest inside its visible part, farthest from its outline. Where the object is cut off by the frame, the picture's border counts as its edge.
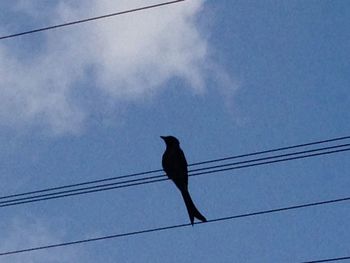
(226, 77)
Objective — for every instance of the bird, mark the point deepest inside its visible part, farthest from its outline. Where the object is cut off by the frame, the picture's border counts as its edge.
(175, 166)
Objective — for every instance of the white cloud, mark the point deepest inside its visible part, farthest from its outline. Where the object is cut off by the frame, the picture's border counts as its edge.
(28, 232)
(125, 57)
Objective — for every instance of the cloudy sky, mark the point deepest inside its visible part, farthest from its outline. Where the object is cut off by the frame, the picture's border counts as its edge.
(89, 101)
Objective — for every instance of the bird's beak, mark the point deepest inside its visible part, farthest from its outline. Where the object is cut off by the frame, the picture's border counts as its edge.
(163, 137)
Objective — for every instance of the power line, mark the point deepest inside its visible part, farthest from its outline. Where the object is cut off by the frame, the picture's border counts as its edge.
(327, 260)
(193, 164)
(153, 179)
(273, 157)
(275, 150)
(80, 184)
(159, 178)
(89, 19)
(133, 233)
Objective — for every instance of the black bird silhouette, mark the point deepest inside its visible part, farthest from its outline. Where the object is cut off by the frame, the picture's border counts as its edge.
(175, 166)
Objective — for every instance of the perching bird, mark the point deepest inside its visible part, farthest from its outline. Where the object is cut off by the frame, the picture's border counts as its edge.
(175, 166)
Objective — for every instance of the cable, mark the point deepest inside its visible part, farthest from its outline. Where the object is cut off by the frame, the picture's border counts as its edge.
(273, 157)
(327, 260)
(193, 164)
(160, 176)
(160, 170)
(274, 150)
(90, 19)
(174, 226)
(154, 179)
(80, 184)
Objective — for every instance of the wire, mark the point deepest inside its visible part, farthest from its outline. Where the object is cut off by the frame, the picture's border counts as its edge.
(220, 219)
(273, 157)
(81, 184)
(160, 170)
(154, 179)
(193, 164)
(275, 150)
(135, 182)
(327, 260)
(89, 19)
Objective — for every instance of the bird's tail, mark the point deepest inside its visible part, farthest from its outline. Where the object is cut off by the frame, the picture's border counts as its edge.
(191, 208)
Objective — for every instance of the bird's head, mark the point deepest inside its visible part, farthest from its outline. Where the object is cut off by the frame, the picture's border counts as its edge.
(170, 140)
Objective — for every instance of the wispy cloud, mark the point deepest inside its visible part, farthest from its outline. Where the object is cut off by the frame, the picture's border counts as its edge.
(21, 233)
(124, 58)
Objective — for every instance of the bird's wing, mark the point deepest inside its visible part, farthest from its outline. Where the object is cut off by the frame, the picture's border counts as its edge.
(175, 165)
